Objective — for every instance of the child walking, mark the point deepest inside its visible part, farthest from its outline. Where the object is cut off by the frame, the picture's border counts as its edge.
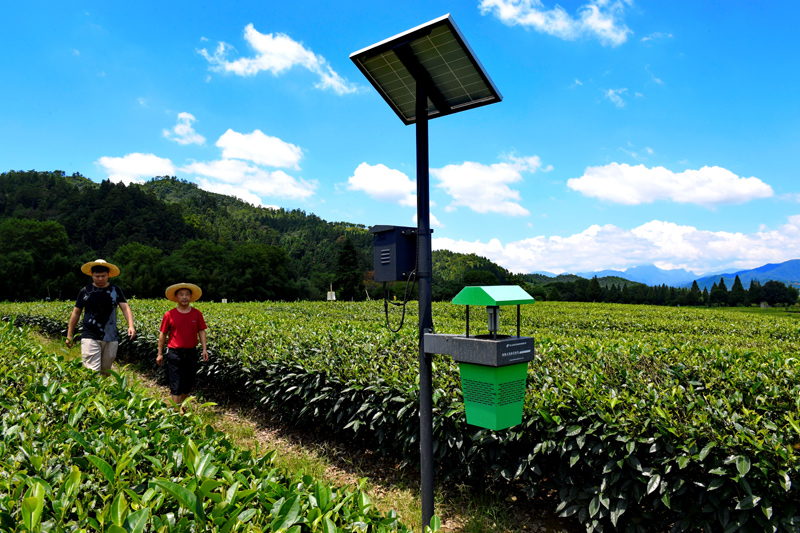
(183, 325)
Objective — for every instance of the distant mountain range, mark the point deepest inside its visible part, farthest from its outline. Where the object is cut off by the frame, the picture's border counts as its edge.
(787, 272)
(649, 275)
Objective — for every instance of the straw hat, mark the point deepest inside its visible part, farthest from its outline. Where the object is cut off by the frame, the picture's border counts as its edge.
(172, 289)
(113, 270)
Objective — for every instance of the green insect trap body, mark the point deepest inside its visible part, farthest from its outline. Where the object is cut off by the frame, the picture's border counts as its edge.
(493, 367)
(493, 396)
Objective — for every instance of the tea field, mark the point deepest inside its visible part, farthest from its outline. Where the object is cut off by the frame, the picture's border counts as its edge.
(78, 453)
(642, 418)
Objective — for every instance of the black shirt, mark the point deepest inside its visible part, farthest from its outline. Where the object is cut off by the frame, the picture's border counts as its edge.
(99, 307)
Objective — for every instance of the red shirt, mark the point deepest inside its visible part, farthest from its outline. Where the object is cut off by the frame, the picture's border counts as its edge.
(182, 327)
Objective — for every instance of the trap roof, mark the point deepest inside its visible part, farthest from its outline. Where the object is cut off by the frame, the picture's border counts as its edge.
(493, 295)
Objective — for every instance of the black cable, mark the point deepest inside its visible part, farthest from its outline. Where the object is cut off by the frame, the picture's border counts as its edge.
(386, 302)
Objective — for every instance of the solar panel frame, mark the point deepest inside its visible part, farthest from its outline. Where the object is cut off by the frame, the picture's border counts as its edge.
(450, 66)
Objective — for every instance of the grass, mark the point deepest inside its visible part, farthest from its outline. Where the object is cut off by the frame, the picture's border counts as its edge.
(462, 509)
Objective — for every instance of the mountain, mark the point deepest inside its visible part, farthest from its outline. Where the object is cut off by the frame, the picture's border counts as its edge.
(649, 275)
(787, 272)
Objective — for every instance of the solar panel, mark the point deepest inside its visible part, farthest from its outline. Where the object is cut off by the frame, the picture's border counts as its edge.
(436, 54)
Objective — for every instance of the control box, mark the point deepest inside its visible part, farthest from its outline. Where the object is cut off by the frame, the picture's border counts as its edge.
(394, 252)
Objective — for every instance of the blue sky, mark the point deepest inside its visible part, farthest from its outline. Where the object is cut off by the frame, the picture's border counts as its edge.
(629, 132)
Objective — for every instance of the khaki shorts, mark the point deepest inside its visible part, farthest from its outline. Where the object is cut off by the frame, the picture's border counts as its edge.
(98, 355)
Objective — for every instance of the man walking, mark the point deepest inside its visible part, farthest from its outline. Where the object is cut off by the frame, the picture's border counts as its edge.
(98, 302)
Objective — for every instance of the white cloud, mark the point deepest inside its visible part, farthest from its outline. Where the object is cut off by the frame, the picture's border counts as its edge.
(665, 244)
(229, 174)
(790, 197)
(615, 95)
(183, 132)
(653, 76)
(600, 19)
(484, 188)
(135, 167)
(636, 154)
(434, 221)
(276, 53)
(576, 83)
(226, 170)
(260, 149)
(241, 193)
(656, 35)
(384, 184)
(239, 170)
(634, 185)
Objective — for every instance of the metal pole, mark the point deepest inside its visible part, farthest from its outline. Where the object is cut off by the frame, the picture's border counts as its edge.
(424, 274)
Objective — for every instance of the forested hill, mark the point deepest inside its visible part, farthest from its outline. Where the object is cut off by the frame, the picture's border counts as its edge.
(98, 218)
(311, 243)
(164, 231)
(225, 218)
(168, 230)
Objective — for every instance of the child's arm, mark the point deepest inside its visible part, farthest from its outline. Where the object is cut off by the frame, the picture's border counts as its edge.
(202, 335)
(162, 337)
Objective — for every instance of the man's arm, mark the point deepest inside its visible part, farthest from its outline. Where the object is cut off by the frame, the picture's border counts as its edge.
(202, 335)
(73, 321)
(162, 337)
(126, 312)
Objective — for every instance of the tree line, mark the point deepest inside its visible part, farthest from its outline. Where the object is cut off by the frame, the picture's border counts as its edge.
(37, 262)
(582, 290)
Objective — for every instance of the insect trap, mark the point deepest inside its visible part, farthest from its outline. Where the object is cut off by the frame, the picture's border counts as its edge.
(493, 367)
